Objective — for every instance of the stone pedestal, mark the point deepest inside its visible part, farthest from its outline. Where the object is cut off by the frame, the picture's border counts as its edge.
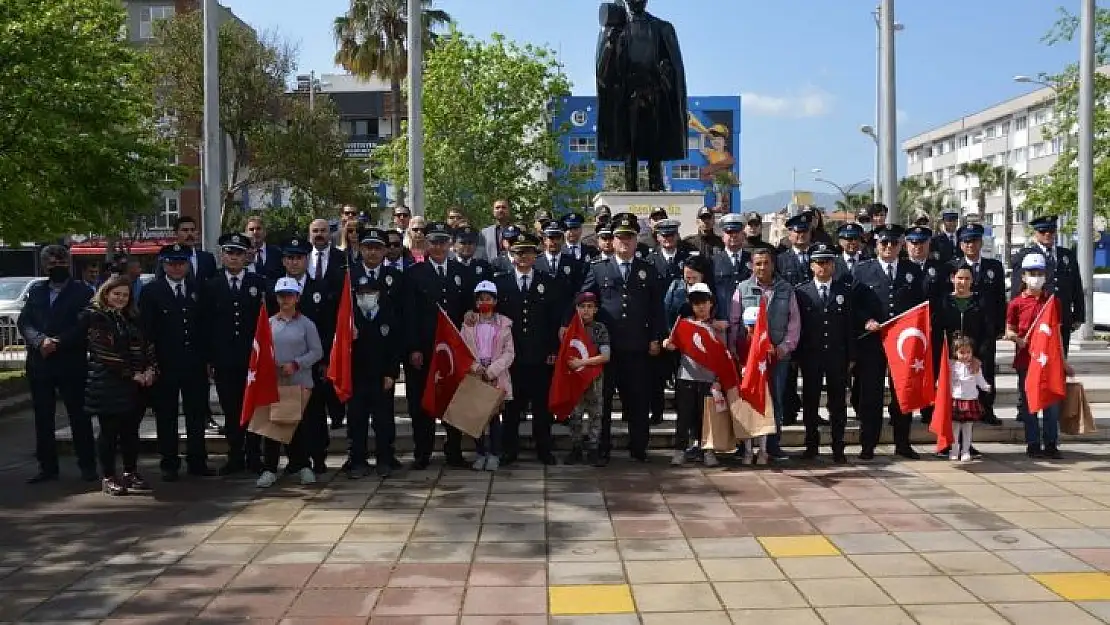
(681, 206)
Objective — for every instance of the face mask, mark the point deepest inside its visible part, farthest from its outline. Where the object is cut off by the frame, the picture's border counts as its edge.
(868, 227)
(58, 274)
(1035, 282)
(485, 308)
(367, 301)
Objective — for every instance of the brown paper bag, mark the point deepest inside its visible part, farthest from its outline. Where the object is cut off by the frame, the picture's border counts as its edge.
(474, 404)
(716, 428)
(262, 425)
(291, 404)
(1077, 417)
(748, 422)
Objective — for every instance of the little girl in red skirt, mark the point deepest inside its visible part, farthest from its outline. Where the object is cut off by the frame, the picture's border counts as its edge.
(966, 409)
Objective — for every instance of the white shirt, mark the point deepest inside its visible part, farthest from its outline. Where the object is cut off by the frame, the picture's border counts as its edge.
(827, 286)
(322, 257)
(439, 268)
(193, 262)
(973, 263)
(965, 384)
(236, 276)
(520, 276)
(1049, 252)
(372, 273)
(668, 256)
(575, 250)
(174, 284)
(887, 267)
(553, 260)
(850, 259)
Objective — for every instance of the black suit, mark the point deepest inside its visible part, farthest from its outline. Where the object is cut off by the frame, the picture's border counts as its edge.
(320, 303)
(945, 249)
(664, 364)
(332, 277)
(479, 269)
(376, 355)
(268, 262)
(173, 325)
(423, 291)
(63, 372)
(826, 346)
(843, 269)
(329, 285)
(201, 267)
(792, 268)
(586, 251)
(877, 298)
(1062, 279)
(728, 273)
(229, 321)
(567, 272)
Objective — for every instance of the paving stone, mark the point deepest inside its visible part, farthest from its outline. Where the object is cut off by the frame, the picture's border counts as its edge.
(663, 572)
(508, 574)
(418, 601)
(664, 549)
(789, 616)
(580, 573)
(961, 614)
(921, 590)
(883, 615)
(365, 552)
(741, 569)
(293, 554)
(759, 595)
(512, 600)
(1044, 561)
(740, 547)
(264, 576)
(1005, 588)
(512, 532)
(438, 552)
(893, 564)
(1006, 539)
(842, 592)
(701, 618)
(1077, 586)
(583, 551)
(674, 597)
(76, 605)
(248, 603)
(590, 600)
(1098, 558)
(1041, 613)
(968, 563)
(1080, 538)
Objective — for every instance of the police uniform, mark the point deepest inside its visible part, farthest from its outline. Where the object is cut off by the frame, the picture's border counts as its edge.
(730, 267)
(989, 289)
(479, 268)
(867, 239)
(428, 286)
(945, 246)
(602, 217)
(669, 270)
(581, 251)
(936, 273)
(631, 307)
(229, 314)
(706, 244)
(375, 357)
(535, 304)
(826, 346)
(846, 262)
(1062, 278)
(170, 317)
(879, 298)
(565, 269)
(503, 263)
(388, 278)
(791, 264)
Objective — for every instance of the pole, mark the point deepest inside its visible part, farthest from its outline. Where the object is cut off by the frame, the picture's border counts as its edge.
(312, 90)
(793, 188)
(876, 188)
(889, 135)
(212, 178)
(416, 98)
(1086, 216)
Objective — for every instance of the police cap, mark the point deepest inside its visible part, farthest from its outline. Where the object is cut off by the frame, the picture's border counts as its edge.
(294, 246)
(970, 232)
(889, 232)
(625, 223)
(553, 229)
(919, 234)
(573, 220)
(732, 222)
(1044, 223)
(821, 251)
(371, 236)
(667, 226)
(658, 212)
(798, 223)
(525, 242)
(174, 253)
(234, 242)
(466, 235)
(437, 231)
(850, 231)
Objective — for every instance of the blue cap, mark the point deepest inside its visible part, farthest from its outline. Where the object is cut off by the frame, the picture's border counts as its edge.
(295, 246)
(889, 232)
(950, 213)
(732, 222)
(970, 232)
(175, 252)
(798, 223)
(821, 251)
(1044, 223)
(552, 229)
(850, 231)
(573, 220)
(234, 242)
(668, 226)
(437, 231)
(510, 232)
(918, 234)
(371, 236)
(466, 234)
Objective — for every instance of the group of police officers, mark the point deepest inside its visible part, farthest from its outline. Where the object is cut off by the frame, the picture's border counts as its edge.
(201, 319)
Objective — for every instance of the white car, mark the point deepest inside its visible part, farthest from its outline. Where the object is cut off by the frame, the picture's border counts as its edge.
(13, 294)
(1101, 314)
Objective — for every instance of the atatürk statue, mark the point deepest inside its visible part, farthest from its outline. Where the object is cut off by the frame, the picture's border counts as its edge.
(641, 92)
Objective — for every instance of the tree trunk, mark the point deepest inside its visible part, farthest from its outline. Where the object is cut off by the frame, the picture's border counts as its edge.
(1007, 222)
(982, 201)
(395, 123)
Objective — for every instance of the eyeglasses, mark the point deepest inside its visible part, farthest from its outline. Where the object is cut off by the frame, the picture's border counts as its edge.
(349, 213)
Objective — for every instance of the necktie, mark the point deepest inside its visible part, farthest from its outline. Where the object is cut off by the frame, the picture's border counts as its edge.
(625, 267)
(554, 262)
(524, 284)
(374, 275)
(890, 271)
(440, 271)
(320, 265)
(851, 263)
(736, 262)
(1050, 257)
(235, 286)
(975, 270)
(180, 294)
(574, 250)
(824, 294)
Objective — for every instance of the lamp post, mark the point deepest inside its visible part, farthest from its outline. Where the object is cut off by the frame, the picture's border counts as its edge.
(888, 134)
(845, 191)
(876, 191)
(416, 99)
(794, 184)
(869, 130)
(212, 151)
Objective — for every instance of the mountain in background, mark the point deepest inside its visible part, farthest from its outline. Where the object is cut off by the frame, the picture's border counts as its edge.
(774, 201)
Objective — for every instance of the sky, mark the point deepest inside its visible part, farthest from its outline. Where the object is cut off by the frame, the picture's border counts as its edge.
(805, 68)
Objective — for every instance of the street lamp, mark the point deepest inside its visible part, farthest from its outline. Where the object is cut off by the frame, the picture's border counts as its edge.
(845, 191)
(897, 26)
(212, 151)
(794, 183)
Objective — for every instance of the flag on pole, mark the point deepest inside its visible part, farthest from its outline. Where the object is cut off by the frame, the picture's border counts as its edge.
(339, 362)
(1045, 380)
(909, 354)
(753, 389)
(262, 378)
(941, 424)
(699, 343)
(450, 361)
(568, 385)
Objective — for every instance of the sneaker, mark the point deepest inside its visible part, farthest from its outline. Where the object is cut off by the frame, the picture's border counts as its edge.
(966, 457)
(267, 479)
(480, 463)
(113, 487)
(492, 463)
(709, 458)
(749, 457)
(136, 484)
(308, 476)
(678, 459)
(953, 455)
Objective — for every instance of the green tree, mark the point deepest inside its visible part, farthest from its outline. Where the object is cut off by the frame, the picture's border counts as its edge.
(984, 175)
(373, 42)
(1010, 181)
(80, 150)
(486, 134)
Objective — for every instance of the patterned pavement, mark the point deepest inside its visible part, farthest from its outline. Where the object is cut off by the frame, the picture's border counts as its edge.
(1003, 540)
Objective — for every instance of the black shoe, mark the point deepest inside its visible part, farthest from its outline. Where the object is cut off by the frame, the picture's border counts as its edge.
(136, 484)
(574, 457)
(508, 460)
(600, 460)
(926, 419)
(319, 468)
(641, 456)
(839, 457)
(975, 453)
(547, 459)
(170, 476)
(338, 425)
(89, 475)
(384, 470)
(789, 419)
(421, 463)
(1051, 451)
(943, 454)
(809, 454)
(656, 419)
(112, 486)
(200, 471)
(42, 476)
(908, 453)
(395, 464)
(231, 468)
(1033, 451)
(457, 462)
(991, 419)
(212, 425)
(823, 422)
(867, 454)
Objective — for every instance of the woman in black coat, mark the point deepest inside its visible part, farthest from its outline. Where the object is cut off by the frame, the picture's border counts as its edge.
(121, 367)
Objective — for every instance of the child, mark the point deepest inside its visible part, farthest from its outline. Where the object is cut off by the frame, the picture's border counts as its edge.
(743, 343)
(585, 432)
(695, 383)
(966, 385)
(490, 339)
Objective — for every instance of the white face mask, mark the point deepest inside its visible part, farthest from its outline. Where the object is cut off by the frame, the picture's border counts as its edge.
(1035, 282)
(367, 301)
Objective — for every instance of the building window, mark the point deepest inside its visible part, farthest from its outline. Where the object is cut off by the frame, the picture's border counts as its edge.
(148, 16)
(991, 131)
(1038, 150)
(583, 145)
(1041, 116)
(1057, 145)
(1021, 123)
(580, 170)
(950, 172)
(693, 144)
(1005, 128)
(174, 160)
(685, 172)
(963, 195)
(1017, 155)
(914, 156)
(614, 170)
(949, 145)
(929, 152)
(171, 210)
(963, 141)
(976, 138)
(990, 160)
(1019, 216)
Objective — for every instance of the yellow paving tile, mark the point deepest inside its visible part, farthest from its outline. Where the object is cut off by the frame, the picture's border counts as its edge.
(1077, 586)
(798, 546)
(599, 599)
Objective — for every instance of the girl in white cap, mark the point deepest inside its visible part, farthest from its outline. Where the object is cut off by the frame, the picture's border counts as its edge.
(491, 342)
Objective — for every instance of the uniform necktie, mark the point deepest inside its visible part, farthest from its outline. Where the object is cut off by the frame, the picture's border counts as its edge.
(890, 271)
(851, 263)
(736, 262)
(554, 261)
(320, 265)
(574, 250)
(440, 271)
(824, 294)
(234, 286)
(625, 267)
(180, 294)
(524, 284)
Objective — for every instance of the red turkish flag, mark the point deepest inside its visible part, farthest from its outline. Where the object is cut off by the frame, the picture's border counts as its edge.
(568, 385)
(339, 362)
(450, 361)
(909, 354)
(701, 345)
(941, 424)
(1045, 381)
(753, 388)
(262, 378)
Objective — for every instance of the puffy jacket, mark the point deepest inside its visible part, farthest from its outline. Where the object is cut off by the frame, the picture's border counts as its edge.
(117, 351)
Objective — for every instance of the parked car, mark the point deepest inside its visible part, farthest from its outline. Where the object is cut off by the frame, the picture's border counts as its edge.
(13, 294)
(1101, 314)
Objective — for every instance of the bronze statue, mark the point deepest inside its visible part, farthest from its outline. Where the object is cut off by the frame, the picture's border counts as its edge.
(641, 92)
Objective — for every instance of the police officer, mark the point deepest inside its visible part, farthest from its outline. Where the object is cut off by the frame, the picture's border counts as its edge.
(466, 247)
(229, 312)
(886, 287)
(989, 286)
(631, 304)
(372, 241)
(650, 236)
(826, 348)
(1062, 277)
(438, 282)
(792, 263)
(170, 316)
(706, 241)
(376, 364)
(753, 228)
(946, 245)
(936, 273)
(603, 215)
(536, 302)
(604, 242)
(565, 269)
(731, 265)
(850, 236)
(576, 246)
(509, 235)
(668, 258)
(867, 240)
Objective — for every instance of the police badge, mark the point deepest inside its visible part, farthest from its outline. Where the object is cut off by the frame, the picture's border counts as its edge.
(458, 280)
(936, 255)
(990, 274)
(254, 291)
(566, 269)
(316, 297)
(478, 269)
(933, 271)
(539, 289)
(193, 295)
(389, 280)
(909, 277)
(1064, 260)
(385, 329)
(840, 300)
(642, 274)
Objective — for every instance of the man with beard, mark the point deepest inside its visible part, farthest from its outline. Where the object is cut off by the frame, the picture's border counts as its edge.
(327, 267)
(489, 242)
(202, 264)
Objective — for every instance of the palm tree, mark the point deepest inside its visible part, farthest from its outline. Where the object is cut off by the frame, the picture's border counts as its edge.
(988, 182)
(1011, 181)
(372, 38)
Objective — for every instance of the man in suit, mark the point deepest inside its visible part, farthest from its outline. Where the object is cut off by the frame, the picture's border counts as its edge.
(436, 282)
(631, 306)
(667, 258)
(731, 265)
(402, 215)
(396, 254)
(792, 262)
(388, 279)
(851, 253)
(1062, 277)
(229, 311)
(535, 301)
(489, 241)
(989, 289)
(347, 214)
(567, 271)
(327, 266)
(170, 315)
(466, 246)
(885, 287)
(945, 244)
(602, 216)
(202, 264)
(826, 349)
(267, 258)
(575, 246)
(936, 273)
(53, 330)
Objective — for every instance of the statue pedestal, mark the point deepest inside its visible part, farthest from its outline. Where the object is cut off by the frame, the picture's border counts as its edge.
(681, 206)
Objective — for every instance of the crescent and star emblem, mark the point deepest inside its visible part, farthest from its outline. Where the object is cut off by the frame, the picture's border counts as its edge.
(699, 342)
(583, 353)
(908, 333)
(442, 347)
(1046, 329)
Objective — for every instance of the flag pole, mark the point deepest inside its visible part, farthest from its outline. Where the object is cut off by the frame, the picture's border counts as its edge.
(893, 319)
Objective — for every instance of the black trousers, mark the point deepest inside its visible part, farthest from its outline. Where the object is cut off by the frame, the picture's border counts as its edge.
(531, 384)
(631, 373)
(987, 351)
(190, 387)
(663, 368)
(318, 438)
(371, 404)
(424, 425)
(689, 401)
(791, 401)
(871, 371)
(608, 391)
(46, 385)
(834, 380)
(119, 432)
(243, 448)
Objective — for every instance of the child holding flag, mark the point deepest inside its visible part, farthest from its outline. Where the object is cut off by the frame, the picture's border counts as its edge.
(585, 431)
(966, 382)
(490, 339)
